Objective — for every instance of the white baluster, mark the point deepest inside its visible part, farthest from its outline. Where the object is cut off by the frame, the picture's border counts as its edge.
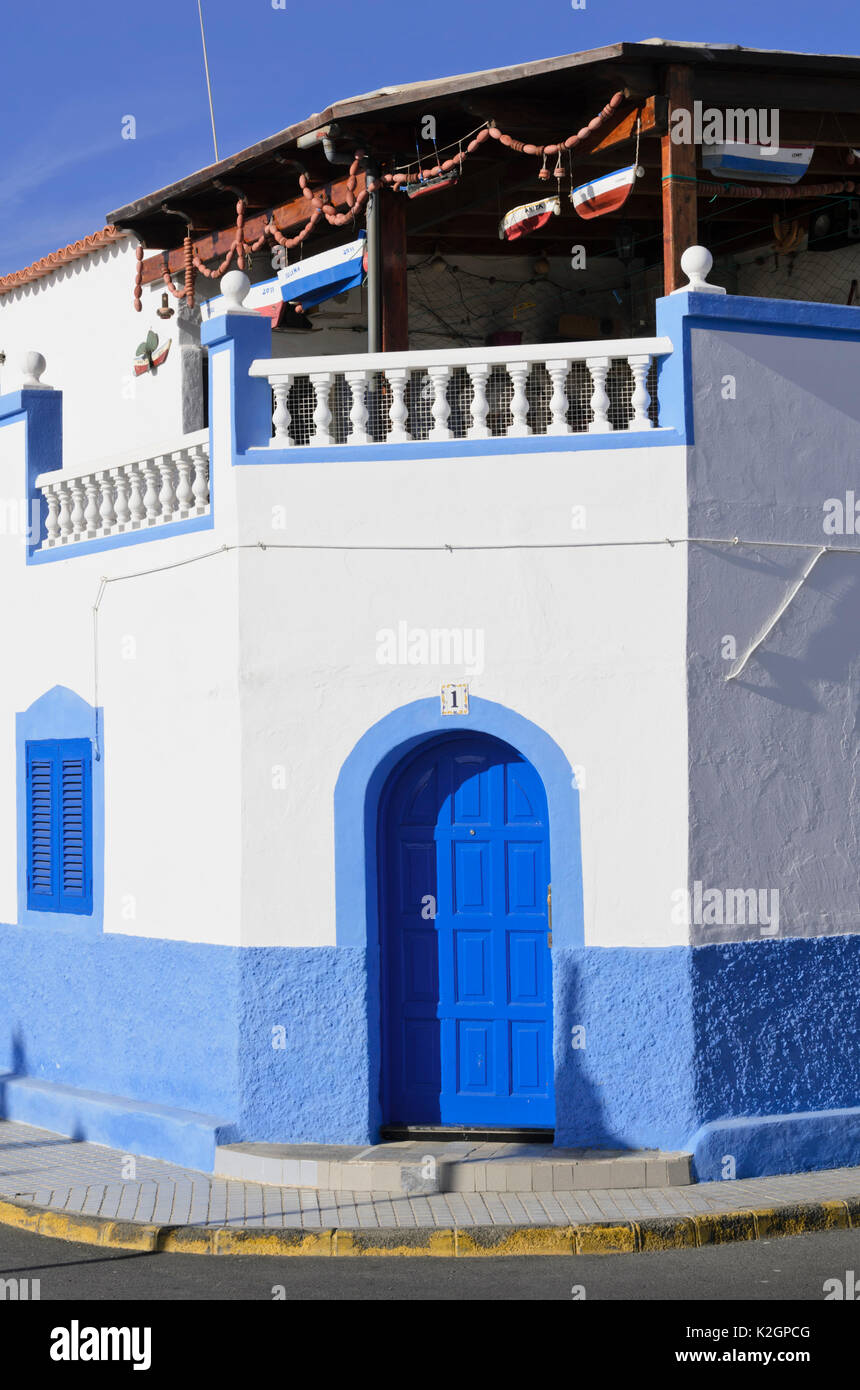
(321, 382)
(281, 418)
(200, 486)
(52, 522)
(358, 410)
(519, 407)
(558, 403)
(106, 508)
(167, 492)
(640, 400)
(122, 512)
(65, 518)
(92, 515)
(440, 408)
(480, 408)
(599, 366)
(150, 496)
(184, 493)
(136, 504)
(397, 378)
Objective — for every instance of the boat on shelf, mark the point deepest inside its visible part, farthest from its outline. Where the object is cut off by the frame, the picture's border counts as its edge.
(304, 284)
(739, 159)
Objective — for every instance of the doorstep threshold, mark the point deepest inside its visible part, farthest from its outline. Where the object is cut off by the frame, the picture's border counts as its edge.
(478, 1134)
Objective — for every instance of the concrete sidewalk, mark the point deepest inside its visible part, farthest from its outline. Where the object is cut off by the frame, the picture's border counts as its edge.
(78, 1191)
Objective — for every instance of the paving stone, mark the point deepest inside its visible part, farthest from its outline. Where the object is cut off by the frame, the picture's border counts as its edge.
(494, 1177)
(562, 1177)
(592, 1173)
(466, 1177)
(518, 1177)
(628, 1172)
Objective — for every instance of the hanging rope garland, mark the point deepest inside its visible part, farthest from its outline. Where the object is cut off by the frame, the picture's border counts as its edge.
(414, 173)
(187, 291)
(490, 131)
(772, 190)
(240, 247)
(355, 202)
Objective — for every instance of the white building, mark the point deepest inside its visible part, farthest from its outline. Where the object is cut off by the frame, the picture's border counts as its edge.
(474, 746)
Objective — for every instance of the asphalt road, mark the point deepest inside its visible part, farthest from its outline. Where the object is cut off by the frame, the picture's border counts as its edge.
(794, 1268)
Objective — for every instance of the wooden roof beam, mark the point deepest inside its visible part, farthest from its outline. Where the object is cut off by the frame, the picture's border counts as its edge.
(287, 216)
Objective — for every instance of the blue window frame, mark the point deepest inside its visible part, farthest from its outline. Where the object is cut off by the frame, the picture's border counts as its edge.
(60, 825)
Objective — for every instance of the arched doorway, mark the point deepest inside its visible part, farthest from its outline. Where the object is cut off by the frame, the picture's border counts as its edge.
(466, 976)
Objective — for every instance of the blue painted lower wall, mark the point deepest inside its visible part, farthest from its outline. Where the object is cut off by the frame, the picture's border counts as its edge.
(280, 1044)
(680, 1039)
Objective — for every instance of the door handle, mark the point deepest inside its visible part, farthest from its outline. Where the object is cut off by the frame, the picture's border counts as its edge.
(549, 914)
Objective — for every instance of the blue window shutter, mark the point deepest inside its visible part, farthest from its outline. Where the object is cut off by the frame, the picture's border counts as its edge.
(75, 817)
(42, 877)
(59, 826)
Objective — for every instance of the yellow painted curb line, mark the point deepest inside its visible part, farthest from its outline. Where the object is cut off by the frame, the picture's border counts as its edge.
(594, 1238)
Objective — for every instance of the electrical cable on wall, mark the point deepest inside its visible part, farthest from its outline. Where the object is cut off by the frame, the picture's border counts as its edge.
(445, 546)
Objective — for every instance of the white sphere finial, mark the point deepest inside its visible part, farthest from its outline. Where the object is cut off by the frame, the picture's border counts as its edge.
(696, 264)
(234, 287)
(32, 365)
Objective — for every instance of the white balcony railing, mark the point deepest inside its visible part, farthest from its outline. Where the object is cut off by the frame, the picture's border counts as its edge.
(464, 393)
(114, 496)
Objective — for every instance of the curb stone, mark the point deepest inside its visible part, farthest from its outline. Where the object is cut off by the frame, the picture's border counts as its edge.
(592, 1238)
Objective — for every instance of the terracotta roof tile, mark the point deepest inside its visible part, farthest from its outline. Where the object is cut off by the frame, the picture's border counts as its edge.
(56, 259)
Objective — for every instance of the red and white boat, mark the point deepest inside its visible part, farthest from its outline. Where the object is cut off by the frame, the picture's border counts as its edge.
(527, 218)
(607, 193)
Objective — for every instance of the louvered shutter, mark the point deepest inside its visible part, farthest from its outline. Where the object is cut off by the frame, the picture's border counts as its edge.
(74, 868)
(59, 826)
(42, 877)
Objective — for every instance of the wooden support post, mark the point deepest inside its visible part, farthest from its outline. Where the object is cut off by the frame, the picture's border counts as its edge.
(395, 299)
(680, 223)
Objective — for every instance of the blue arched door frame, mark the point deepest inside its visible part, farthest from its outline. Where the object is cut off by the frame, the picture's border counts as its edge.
(356, 819)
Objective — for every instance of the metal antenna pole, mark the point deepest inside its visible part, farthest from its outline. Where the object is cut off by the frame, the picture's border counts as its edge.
(208, 83)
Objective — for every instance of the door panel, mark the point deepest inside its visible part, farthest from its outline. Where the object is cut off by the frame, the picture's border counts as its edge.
(466, 967)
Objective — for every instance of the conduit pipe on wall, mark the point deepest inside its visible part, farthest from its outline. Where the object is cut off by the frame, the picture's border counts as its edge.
(516, 545)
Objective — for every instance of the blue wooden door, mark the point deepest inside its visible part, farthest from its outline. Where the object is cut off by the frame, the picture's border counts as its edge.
(466, 967)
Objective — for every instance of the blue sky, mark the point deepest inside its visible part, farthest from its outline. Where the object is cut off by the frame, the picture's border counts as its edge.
(72, 72)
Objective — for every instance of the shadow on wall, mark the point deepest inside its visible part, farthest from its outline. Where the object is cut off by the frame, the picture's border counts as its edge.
(826, 637)
(778, 1035)
(18, 1069)
(624, 1051)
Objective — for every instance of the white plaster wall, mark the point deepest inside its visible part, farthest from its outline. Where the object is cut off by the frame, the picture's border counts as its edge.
(214, 674)
(168, 660)
(82, 319)
(590, 645)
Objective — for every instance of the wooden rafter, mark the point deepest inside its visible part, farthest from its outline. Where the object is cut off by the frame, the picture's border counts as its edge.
(287, 216)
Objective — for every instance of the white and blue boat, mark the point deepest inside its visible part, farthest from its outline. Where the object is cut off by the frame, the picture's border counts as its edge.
(304, 284)
(738, 159)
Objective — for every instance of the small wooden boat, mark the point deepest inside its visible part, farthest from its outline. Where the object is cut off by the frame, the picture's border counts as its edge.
(305, 283)
(527, 218)
(150, 354)
(739, 159)
(606, 194)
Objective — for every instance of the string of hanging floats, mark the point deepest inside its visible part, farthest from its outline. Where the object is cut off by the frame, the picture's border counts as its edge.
(414, 172)
(240, 248)
(406, 174)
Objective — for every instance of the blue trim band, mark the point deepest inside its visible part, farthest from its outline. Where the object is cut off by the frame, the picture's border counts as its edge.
(96, 546)
(467, 448)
